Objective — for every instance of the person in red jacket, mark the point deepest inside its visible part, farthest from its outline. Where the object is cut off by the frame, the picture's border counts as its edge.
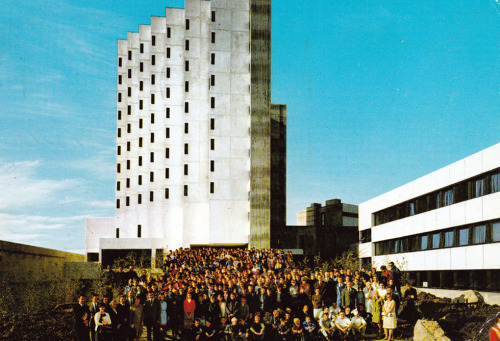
(189, 308)
(495, 330)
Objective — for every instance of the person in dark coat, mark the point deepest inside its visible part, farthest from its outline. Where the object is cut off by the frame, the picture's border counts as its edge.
(152, 316)
(81, 314)
(349, 296)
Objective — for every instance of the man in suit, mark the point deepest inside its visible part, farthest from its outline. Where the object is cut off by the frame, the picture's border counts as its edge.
(94, 309)
(81, 314)
(349, 296)
(152, 312)
(123, 316)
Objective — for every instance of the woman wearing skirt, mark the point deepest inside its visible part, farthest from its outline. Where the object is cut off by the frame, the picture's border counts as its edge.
(389, 313)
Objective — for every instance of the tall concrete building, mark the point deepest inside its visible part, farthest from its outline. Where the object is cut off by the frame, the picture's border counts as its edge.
(200, 148)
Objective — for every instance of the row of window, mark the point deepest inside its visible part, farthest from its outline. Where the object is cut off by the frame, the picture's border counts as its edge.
(167, 195)
(478, 186)
(485, 232)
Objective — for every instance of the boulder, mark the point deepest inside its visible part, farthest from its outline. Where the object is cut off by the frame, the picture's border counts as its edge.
(460, 299)
(473, 296)
(428, 331)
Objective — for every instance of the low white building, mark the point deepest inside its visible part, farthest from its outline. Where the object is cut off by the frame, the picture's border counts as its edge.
(195, 134)
(443, 228)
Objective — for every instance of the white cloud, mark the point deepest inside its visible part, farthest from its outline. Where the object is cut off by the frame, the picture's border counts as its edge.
(52, 232)
(19, 187)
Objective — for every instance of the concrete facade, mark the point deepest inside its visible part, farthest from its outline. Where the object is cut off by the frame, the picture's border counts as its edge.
(328, 230)
(194, 128)
(20, 263)
(443, 227)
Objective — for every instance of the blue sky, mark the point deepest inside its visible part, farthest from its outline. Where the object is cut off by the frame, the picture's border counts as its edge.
(379, 93)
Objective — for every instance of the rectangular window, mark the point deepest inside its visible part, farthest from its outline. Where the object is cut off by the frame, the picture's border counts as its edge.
(119, 150)
(167, 153)
(167, 92)
(187, 45)
(213, 16)
(167, 73)
(169, 32)
(117, 203)
(117, 232)
(479, 188)
(212, 187)
(449, 238)
(424, 240)
(141, 48)
(186, 128)
(186, 107)
(167, 173)
(212, 102)
(186, 169)
(128, 146)
(167, 133)
(141, 104)
(140, 161)
(139, 180)
(153, 79)
(127, 201)
(167, 112)
(185, 190)
(139, 198)
(152, 118)
(153, 40)
(213, 38)
(186, 148)
(212, 144)
(119, 79)
(129, 110)
(140, 123)
(187, 24)
(212, 80)
(127, 182)
(495, 232)
(129, 91)
(151, 196)
(463, 236)
(186, 86)
(186, 65)
(495, 183)
(212, 124)
(448, 197)
(141, 67)
(129, 55)
(479, 234)
(141, 85)
(152, 157)
(120, 61)
(120, 114)
(118, 168)
(436, 240)
(153, 60)
(119, 97)
(212, 58)
(152, 137)
(168, 52)
(411, 208)
(139, 231)
(151, 176)
(167, 194)
(129, 128)
(212, 165)
(129, 73)
(119, 132)
(439, 199)
(118, 185)
(128, 164)
(152, 98)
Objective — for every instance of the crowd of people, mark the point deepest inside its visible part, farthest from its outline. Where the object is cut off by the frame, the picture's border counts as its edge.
(244, 295)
